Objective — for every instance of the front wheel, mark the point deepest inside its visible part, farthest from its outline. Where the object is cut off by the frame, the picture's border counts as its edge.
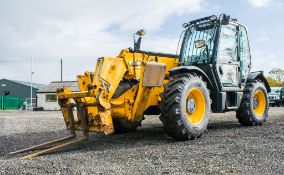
(254, 105)
(185, 107)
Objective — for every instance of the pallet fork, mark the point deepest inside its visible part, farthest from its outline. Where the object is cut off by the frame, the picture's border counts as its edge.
(54, 143)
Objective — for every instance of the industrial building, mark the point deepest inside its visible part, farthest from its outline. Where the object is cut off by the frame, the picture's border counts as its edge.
(13, 93)
(47, 97)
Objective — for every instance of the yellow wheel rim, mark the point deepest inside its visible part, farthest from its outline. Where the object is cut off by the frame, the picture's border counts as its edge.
(196, 106)
(259, 103)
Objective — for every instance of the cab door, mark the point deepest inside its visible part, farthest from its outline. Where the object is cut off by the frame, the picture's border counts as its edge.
(227, 63)
(245, 57)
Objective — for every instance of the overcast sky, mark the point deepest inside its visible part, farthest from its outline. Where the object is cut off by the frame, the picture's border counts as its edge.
(81, 31)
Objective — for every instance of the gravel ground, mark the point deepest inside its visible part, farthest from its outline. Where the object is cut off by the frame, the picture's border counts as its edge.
(227, 148)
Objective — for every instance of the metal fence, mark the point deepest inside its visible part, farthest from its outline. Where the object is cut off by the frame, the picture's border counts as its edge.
(7, 102)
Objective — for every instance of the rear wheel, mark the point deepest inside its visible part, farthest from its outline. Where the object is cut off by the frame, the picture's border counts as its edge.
(254, 105)
(185, 107)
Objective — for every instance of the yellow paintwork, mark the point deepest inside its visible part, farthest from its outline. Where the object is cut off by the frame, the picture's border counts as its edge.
(99, 87)
(260, 98)
(195, 94)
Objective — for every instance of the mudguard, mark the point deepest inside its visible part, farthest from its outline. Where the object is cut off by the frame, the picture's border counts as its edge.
(258, 75)
(190, 69)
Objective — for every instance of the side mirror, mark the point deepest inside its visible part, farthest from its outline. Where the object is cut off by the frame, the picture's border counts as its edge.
(137, 42)
(199, 43)
(225, 19)
(141, 32)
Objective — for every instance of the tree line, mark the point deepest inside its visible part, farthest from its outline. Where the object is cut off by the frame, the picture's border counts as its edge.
(276, 77)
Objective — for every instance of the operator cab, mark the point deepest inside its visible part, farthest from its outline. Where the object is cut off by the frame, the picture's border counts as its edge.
(219, 47)
(218, 43)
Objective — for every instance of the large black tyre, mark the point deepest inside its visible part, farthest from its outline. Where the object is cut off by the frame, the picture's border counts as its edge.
(185, 96)
(125, 126)
(253, 109)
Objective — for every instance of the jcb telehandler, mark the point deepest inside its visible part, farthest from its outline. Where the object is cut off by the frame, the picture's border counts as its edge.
(211, 74)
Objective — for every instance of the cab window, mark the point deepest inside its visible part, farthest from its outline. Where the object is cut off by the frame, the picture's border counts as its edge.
(227, 50)
(244, 52)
